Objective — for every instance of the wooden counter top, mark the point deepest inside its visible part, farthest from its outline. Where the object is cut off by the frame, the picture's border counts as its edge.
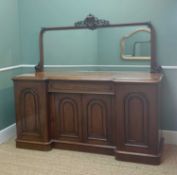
(112, 76)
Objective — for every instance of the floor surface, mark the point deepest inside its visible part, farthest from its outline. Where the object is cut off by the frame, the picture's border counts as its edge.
(60, 162)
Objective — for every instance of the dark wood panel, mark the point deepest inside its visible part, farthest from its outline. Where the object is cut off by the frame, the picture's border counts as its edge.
(68, 121)
(97, 119)
(137, 118)
(31, 111)
(81, 87)
(29, 103)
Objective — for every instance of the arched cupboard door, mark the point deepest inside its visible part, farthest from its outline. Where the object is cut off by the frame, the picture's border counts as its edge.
(98, 119)
(137, 118)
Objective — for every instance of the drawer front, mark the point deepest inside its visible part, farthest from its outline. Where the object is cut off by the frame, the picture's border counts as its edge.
(81, 87)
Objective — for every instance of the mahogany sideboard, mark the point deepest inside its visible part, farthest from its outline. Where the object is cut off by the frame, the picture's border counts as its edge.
(103, 112)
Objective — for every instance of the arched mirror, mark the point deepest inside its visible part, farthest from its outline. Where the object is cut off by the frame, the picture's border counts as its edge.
(136, 45)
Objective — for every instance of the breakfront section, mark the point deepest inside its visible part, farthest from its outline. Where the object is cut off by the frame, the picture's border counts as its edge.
(31, 114)
(137, 122)
(81, 115)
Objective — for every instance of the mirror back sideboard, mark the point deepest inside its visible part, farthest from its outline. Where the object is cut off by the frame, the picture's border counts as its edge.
(104, 112)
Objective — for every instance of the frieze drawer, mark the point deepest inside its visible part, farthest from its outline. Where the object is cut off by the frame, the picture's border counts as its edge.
(81, 87)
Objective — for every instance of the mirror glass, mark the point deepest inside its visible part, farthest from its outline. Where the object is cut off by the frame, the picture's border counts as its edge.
(103, 46)
(136, 45)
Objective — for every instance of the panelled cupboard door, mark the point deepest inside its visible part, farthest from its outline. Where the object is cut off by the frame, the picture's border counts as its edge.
(137, 110)
(31, 111)
(67, 117)
(97, 119)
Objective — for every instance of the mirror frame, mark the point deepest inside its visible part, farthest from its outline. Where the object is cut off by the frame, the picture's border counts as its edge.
(92, 23)
(122, 47)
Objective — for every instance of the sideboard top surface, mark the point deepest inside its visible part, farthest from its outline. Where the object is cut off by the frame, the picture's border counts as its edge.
(116, 76)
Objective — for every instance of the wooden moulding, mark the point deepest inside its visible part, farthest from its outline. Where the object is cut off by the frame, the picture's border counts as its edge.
(34, 145)
(153, 159)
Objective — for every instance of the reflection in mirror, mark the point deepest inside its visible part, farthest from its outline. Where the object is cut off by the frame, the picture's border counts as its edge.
(136, 45)
(70, 47)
